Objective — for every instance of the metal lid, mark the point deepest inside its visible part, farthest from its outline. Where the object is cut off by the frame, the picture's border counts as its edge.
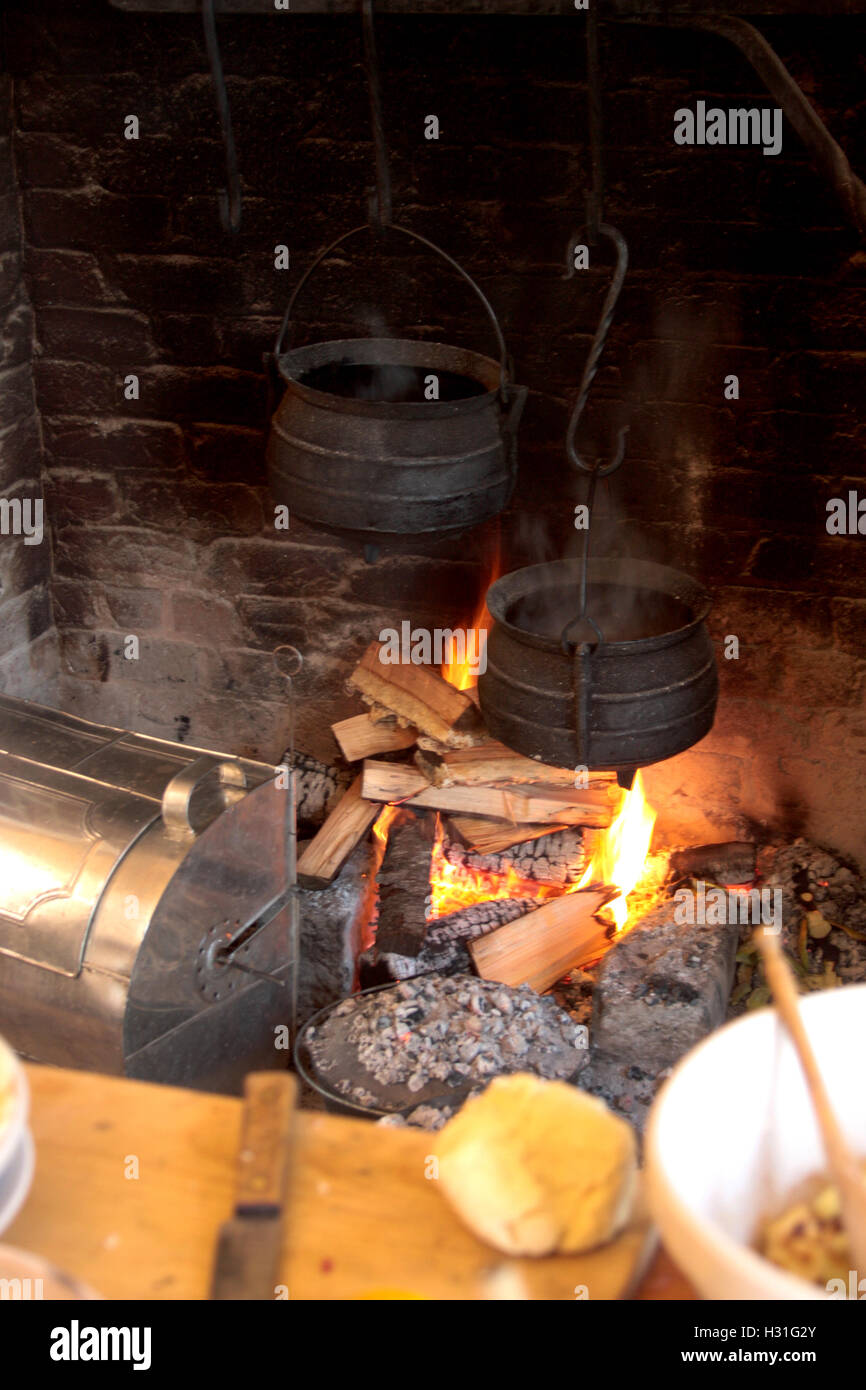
(61, 837)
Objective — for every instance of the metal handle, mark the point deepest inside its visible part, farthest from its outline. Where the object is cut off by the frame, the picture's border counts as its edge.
(581, 683)
(178, 794)
(431, 246)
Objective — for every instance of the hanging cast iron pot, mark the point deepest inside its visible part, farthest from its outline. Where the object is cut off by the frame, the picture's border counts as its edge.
(643, 691)
(355, 445)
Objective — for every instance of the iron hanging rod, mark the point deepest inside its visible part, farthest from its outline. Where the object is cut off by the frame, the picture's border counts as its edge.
(596, 227)
(371, 69)
(827, 155)
(230, 200)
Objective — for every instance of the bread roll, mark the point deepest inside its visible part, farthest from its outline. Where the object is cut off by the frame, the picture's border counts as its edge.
(535, 1167)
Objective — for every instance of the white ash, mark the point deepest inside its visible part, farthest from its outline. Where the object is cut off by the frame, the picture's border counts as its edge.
(430, 1117)
(435, 1033)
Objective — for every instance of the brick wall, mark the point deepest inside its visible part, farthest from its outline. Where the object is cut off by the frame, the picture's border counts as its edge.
(739, 264)
(28, 639)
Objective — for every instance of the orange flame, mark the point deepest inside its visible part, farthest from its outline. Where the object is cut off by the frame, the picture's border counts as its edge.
(620, 855)
(381, 827)
(456, 672)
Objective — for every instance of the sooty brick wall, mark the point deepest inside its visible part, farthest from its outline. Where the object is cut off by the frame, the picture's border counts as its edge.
(28, 639)
(740, 263)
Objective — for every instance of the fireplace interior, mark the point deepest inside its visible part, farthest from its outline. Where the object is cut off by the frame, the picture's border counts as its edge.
(506, 800)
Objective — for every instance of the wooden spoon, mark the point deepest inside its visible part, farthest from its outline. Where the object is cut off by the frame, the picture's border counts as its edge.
(845, 1169)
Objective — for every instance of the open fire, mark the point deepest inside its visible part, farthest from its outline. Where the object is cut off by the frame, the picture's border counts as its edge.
(619, 853)
(618, 861)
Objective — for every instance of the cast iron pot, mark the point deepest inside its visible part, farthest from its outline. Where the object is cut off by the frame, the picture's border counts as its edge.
(355, 446)
(645, 691)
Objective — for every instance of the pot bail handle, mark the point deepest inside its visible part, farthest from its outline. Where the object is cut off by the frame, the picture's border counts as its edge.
(284, 332)
(581, 684)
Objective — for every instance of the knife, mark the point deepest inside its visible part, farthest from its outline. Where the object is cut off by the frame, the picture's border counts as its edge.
(249, 1246)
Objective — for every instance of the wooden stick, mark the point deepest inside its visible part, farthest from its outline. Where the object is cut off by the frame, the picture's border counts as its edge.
(345, 827)
(541, 947)
(519, 804)
(359, 737)
(844, 1167)
(419, 696)
(490, 836)
(486, 763)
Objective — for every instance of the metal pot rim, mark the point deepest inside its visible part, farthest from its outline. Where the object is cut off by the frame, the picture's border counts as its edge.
(397, 352)
(635, 574)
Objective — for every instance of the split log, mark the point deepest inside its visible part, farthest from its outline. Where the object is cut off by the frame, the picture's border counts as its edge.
(404, 883)
(522, 803)
(418, 696)
(489, 836)
(359, 737)
(735, 861)
(558, 858)
(345, 827)
(541, 947)
(486, 763)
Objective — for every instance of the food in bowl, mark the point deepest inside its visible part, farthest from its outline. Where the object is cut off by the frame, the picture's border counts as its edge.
(733, 1135)
(809, 1238)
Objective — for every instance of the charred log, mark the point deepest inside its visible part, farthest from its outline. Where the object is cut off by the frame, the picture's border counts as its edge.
(558, 858)
(404, 883)
(734, 861)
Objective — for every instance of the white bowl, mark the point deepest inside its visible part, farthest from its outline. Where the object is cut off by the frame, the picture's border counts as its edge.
(732, 1133)
(14, 1105)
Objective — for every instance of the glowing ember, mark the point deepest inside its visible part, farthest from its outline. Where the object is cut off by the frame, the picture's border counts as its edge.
(455, 886)
(621, 853)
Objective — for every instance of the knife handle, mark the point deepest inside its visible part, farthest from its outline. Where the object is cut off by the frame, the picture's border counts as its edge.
(263, 1159)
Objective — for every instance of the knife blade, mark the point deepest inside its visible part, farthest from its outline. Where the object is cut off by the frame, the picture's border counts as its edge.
(249, 1245)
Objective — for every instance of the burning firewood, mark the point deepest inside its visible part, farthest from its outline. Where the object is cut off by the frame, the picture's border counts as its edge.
(345, 827)
(486, 763)
(418, 696)
(521, 803)
(541, 947)
(488, 835)
(446, 941)
(404, 883)
(557, 858)
(359, 737)
(469, 923)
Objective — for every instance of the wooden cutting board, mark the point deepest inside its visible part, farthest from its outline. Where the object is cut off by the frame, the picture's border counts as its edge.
(133, 1180)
